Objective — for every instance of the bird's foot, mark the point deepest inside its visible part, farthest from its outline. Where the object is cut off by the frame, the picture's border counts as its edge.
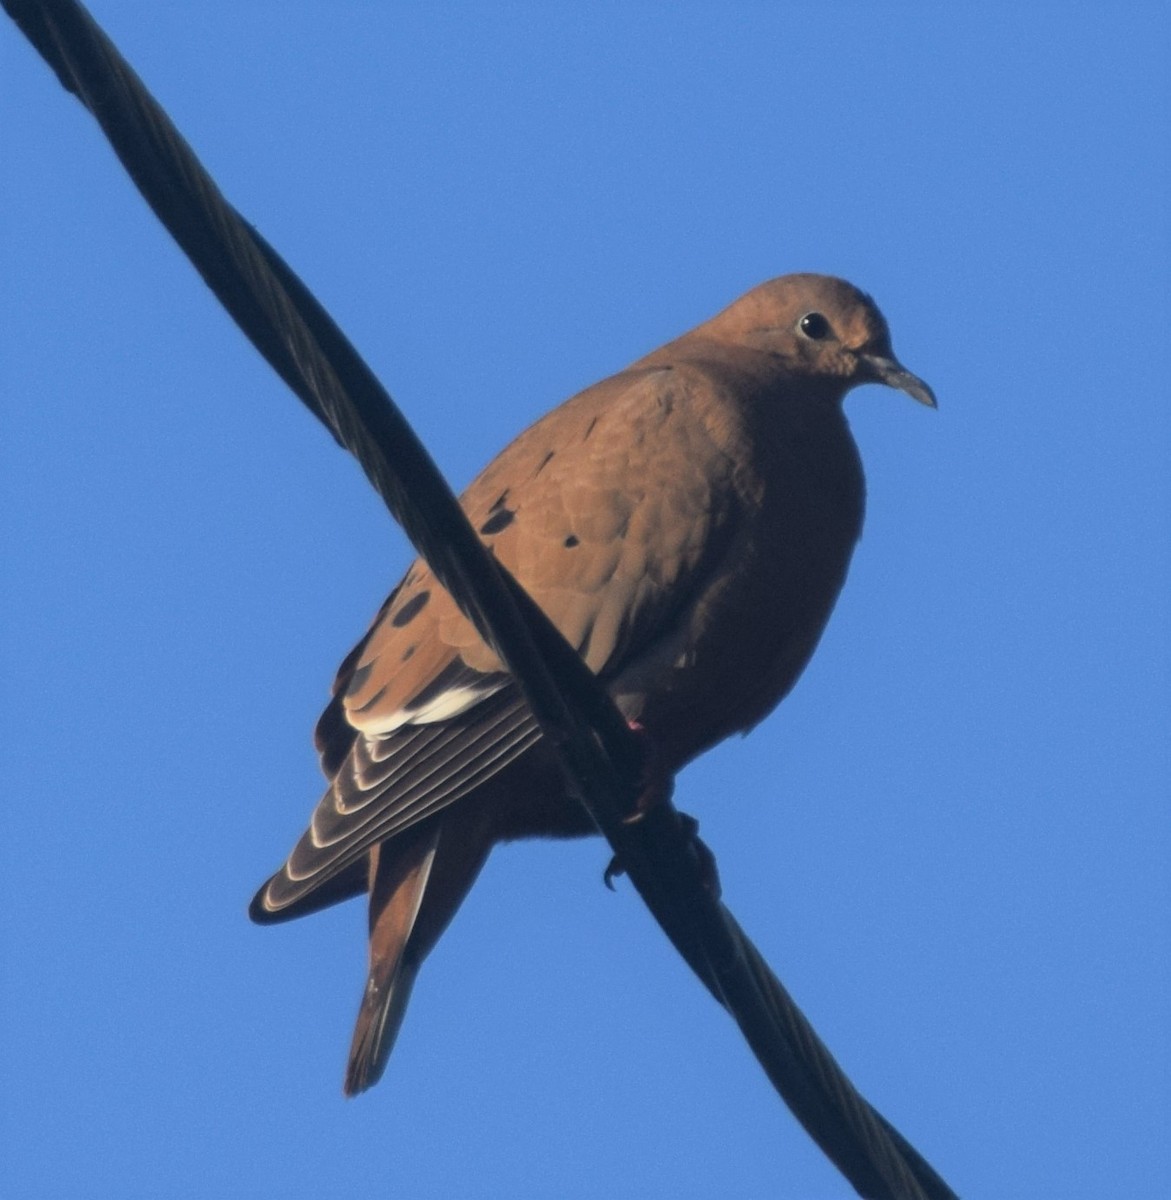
(709, 875)
(658, 786)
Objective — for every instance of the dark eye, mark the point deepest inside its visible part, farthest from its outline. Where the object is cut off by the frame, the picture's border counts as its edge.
(814, 325)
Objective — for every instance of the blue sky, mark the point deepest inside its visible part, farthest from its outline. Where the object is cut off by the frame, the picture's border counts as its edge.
(951, 841)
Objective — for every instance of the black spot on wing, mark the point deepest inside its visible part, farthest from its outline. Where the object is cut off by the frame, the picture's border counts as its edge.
(500, 519)
(358, 678)
(410, 610)
(361, 708)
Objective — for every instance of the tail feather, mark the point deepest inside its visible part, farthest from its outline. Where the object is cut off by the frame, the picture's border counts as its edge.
(379, 1021)
(416, 883)
(397, 887)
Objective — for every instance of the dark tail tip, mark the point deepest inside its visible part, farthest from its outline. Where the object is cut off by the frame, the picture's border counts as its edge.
(379, 1020)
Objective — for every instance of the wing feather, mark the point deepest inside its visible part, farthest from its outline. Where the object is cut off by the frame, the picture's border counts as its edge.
(612, 537)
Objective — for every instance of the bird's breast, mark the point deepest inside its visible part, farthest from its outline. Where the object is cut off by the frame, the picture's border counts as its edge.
(750, 631)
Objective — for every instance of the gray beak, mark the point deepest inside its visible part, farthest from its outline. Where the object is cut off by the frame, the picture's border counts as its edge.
(893, 374)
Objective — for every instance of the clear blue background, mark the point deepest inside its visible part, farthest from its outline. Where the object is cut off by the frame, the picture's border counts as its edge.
(952, 842)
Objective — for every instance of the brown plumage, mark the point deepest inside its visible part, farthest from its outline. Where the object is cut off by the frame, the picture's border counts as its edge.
(687, 525)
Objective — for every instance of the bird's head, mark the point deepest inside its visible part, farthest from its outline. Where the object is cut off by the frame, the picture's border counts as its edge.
(818, 327)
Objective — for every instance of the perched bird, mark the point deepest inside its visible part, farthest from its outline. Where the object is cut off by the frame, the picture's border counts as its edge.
(686, 524)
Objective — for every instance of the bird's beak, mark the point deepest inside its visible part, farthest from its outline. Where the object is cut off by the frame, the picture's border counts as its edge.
(895, 375)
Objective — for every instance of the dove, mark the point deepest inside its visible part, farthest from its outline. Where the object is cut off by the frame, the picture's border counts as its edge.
(687, 524)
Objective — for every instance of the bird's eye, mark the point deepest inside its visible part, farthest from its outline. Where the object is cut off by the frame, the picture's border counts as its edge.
(814, 325)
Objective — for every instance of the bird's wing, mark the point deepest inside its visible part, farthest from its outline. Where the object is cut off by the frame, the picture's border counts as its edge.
(613, 512)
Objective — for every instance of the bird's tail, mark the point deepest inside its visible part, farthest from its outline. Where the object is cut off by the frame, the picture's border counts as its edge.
(415, 888)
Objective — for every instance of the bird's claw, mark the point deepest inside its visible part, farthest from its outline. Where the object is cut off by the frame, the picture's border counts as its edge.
(613, 869)
(709, 875)
(657, 787)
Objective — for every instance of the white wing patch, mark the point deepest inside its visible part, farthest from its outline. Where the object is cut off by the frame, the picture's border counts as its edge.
(442, 707)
